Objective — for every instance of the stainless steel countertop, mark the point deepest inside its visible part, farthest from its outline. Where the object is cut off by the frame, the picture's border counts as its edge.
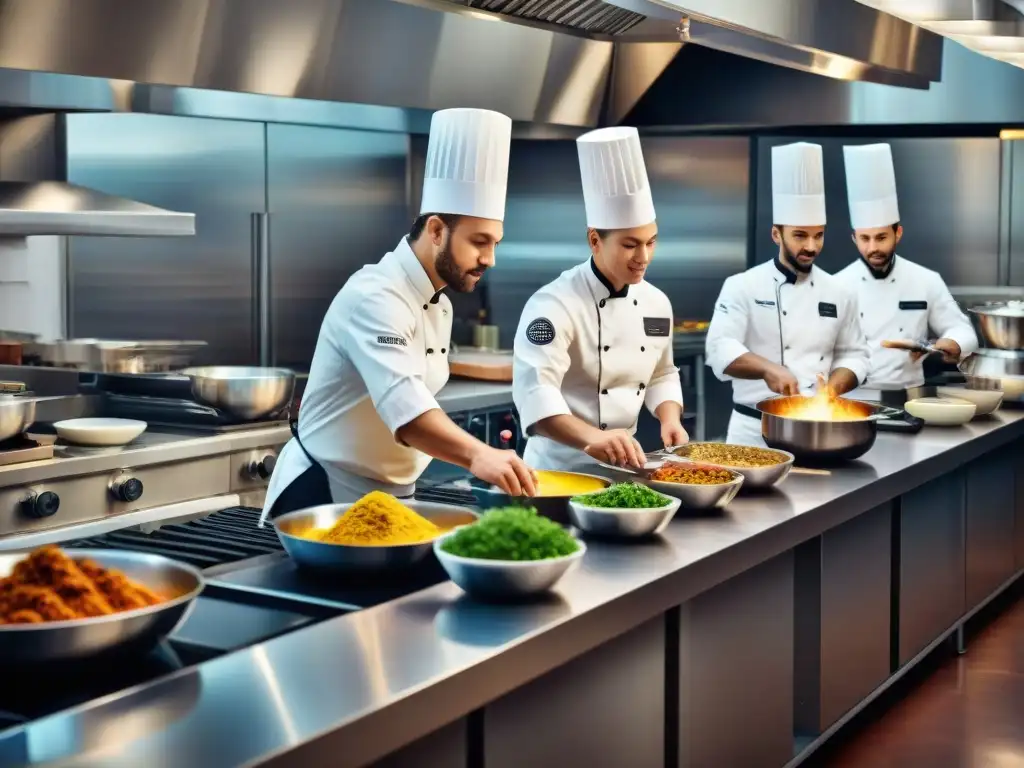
(465, 395)
(351, 689)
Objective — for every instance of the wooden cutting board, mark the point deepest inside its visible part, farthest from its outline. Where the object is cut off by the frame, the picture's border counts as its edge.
(482, 365)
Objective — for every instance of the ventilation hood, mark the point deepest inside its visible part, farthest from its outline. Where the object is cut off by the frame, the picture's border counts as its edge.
(576, 63)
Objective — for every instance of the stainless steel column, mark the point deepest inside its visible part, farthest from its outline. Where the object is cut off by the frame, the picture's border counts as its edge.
(605, 709)
(931, 562)
(843, 598)
(990, 525)
(736, 671)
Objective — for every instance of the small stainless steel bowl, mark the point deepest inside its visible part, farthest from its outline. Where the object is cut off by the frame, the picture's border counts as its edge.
(506, 579)
(319, 555)
(245, 392)
(622, 523)
(754, 477)
(699, 496)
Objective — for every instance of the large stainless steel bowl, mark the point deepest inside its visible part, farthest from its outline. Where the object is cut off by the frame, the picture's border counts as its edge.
(504, 579)
(622, 523)
(694, 496)
(244, 392)
(820, 441)
(554, 508)
(16, 415)
(84, 638)
(318, 555)
(999, 327)
(754, 477)
(996, 369)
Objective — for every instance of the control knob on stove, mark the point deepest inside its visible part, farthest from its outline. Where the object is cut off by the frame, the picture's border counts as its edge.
(125, 488)
(262, 469)
(40, 505)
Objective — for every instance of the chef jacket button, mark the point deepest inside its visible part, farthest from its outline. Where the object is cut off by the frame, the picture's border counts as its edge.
(430, 351)
(425, 306)
(787, 346)
(643, 386)
(785, 312)
(862, 314)
(443, 351)
(643, 349)
(901, 330)
(604, 391)
(635, 302)
(822, 358)
(604, 426)
(602, 304)
(606, 348)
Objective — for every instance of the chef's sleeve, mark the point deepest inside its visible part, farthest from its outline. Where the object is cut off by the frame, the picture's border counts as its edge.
(947, 320)
(379, 339)
(540, 361)
(664, 386)
(851, 349)
(726, 336)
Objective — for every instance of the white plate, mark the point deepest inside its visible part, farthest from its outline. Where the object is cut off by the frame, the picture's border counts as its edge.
(987, 400)
(940, 411)
(99, 431)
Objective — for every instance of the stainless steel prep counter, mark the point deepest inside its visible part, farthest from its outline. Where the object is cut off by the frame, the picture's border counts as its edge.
(354, 689)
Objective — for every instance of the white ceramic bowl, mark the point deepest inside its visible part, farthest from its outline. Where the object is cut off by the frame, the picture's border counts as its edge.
(986, 400)
(102, 432)
(623, 522)
(940, 411)
(505, 579)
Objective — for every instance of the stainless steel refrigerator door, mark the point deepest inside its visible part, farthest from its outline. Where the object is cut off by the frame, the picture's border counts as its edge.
(197, 287)
(337, 200)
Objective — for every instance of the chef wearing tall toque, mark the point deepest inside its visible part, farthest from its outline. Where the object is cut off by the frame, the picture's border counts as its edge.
(898, 300)
(369, 418)
(595, 345)
(779, 324)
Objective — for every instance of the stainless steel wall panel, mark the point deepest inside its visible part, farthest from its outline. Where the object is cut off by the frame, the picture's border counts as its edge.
(606, 709)
(932, 562)
(169, 288)
(990, 525)
(337, 201)
(736, 671)
(949, 193)
(1015, 210)
(445, 748)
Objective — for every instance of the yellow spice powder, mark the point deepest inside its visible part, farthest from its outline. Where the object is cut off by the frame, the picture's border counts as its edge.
(378, 519)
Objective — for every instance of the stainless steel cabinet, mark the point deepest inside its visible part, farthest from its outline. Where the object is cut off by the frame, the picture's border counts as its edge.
(337, 201)
(990, 525)
(178, 288)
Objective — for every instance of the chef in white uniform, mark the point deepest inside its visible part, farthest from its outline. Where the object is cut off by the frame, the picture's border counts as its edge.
(898, 299)
(369, 418)
(779, 324)
(595, 345)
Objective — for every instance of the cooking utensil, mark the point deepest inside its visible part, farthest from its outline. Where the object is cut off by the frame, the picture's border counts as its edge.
(12, 387)
(622, 523)
(83, 638)
(942, 412)
(754, 477)
(1000, 323)
(485, 337)
(505, 579)
(694, 496)
(318, 555)
(16, 415)
(909, 345)
(821, 441)
(99, 432)
(245, 392)
(553, 507)
(996, 369)
(987, 401)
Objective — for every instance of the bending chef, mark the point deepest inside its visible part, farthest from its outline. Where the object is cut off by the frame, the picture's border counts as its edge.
(898, 299)
(779, 324)
(369, 418)
(595, 345)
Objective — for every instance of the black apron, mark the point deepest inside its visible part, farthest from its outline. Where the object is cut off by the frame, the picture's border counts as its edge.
(310, 489)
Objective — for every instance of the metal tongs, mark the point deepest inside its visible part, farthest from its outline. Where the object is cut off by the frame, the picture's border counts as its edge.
(912, 345)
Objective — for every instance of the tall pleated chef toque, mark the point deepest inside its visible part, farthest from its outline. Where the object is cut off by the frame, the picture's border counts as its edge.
(798, 185)
(616, 191)
(467, 163)
(871, 186)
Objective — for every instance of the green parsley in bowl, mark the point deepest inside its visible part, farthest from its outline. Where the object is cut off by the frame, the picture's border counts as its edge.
(625, 510)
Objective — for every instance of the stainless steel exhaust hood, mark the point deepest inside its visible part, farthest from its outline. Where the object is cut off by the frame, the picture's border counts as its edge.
(59, 208)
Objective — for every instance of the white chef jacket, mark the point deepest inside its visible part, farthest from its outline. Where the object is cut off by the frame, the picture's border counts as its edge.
(904, 304)
(806, 323)
(380, 359)
(585, 350)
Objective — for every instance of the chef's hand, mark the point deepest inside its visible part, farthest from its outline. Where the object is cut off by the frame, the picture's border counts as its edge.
(781, 381)
(950, 351)
(672, 433)
(504, 469)
(617, 448)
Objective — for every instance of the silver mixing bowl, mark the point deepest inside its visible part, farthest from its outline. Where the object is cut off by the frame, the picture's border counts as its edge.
(699, 496)
(248, 393)
(992, 369)
(1002, 331)
(753, 477)
(622, 523)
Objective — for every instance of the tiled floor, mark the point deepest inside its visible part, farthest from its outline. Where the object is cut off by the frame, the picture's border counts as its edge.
(969, 713)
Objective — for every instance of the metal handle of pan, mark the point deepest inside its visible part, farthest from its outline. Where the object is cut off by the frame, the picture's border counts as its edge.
(885, 412)
(261, 288)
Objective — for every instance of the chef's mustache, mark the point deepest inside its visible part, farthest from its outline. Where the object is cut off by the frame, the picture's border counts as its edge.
(878, 255)
(805, 252)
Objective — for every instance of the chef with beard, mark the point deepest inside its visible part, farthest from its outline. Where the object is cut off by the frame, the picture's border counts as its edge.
(898, 299)
(369, 418)
(779, 324)
(595, 345)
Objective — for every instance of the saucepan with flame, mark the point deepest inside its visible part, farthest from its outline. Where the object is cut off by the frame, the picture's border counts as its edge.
(821, 428)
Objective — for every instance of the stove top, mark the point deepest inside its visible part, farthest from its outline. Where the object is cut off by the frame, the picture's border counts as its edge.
(179, 412)
(22, 448)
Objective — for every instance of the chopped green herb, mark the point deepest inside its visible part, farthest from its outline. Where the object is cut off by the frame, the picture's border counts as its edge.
(511, 533)
(624, 496)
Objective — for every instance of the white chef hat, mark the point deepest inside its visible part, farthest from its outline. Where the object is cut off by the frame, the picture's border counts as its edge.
(798, 185)
(467, 163)
(616, 191)
(871, 186)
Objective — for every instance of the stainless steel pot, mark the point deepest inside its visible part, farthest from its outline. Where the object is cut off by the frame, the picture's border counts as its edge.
(244, 392)
(998, 327)
(821, 441)
(1000, 369)
(16, 415)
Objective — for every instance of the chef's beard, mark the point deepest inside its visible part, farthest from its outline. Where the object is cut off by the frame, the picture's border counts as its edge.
(882, 271)
(792, 260)
(448, 270)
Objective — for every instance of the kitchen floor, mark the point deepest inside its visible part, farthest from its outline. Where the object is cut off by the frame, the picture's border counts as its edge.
(959, 712)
